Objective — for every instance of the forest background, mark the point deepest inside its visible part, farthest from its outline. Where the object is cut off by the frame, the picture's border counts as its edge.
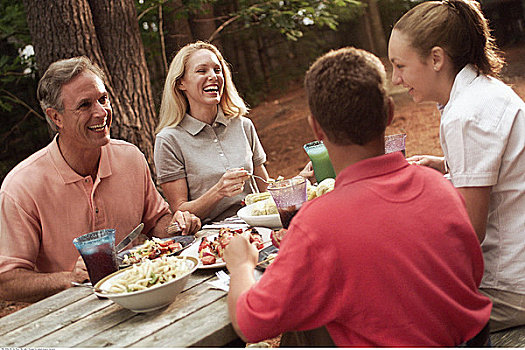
(269, 44)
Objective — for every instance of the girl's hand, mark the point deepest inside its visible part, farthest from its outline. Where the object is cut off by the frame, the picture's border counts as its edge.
(434, 162)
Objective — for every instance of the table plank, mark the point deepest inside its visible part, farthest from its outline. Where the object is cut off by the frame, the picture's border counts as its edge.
(210, 327)
(509, 338)
(53, 321)
(143, 325)
(99, 322)
(40, 309)
(85, 328)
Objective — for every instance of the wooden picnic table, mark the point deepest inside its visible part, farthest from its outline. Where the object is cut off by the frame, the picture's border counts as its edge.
(77, 318)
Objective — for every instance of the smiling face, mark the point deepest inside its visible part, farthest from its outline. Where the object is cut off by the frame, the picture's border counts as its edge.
(411, 70)
(86, 116)
(203, 80)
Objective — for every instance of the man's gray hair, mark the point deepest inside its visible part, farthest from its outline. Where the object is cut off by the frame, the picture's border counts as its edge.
(59, 73)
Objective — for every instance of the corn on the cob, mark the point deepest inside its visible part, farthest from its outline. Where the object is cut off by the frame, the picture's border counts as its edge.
(256, 197)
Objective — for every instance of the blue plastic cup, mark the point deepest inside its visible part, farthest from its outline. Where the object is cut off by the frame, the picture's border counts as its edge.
(98, 252)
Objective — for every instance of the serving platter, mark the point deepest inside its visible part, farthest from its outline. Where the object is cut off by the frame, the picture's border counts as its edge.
(193, 250)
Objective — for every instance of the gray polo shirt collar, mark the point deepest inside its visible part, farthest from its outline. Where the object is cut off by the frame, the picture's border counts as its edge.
(194, 126)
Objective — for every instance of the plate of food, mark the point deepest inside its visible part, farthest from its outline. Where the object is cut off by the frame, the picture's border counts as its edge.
(154, 248)
(266, 257)
(209, 248)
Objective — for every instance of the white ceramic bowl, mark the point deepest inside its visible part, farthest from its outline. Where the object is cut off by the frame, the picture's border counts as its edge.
(271, 221)
(148, 299)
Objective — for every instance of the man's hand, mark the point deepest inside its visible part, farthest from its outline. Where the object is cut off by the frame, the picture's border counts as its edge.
(79, 273)
(188, 223)
(434, 162)
(240, 252)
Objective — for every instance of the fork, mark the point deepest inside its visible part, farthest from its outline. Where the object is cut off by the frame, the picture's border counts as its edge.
(260, 178)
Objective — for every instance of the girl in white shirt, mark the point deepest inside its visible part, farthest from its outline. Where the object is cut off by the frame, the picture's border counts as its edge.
(443, 51)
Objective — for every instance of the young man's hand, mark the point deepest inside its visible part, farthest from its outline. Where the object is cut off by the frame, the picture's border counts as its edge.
(240, 252)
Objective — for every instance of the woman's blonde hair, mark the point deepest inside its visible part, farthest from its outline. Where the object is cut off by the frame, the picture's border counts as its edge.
(175, 104)
(457, 26)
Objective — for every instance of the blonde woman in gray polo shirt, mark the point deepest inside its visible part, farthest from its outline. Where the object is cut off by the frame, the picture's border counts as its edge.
(205, 148)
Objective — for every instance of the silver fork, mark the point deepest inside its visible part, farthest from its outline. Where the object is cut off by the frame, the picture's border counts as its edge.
(260, 178)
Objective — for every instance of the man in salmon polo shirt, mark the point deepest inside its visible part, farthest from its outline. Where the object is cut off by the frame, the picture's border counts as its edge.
(81, 182)
(388, 258)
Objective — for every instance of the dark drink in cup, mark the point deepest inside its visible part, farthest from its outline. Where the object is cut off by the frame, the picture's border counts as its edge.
(100, 263)
(98, 252)
(289, 196)
(287, 213)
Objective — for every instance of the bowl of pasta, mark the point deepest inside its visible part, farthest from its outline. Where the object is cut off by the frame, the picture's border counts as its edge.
(149, 285)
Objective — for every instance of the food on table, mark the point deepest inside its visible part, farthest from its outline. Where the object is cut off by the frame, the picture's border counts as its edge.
(264, 207)
(151, 249)
(277, 236)
(325, 186)
(150, 273)
(270, 258)
(314, 191)
(256, 197)
(211, 251)
(311, 190)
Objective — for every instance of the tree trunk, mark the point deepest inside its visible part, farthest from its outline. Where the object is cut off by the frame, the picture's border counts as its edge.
(178, 31)
(203, 24)
(67, 28)
(378, 34)
(62, 29)
(125, 59)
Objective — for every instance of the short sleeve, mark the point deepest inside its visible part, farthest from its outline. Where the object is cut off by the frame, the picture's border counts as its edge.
(169, 161)
(259, 156)
(19, 234)
(474, 149)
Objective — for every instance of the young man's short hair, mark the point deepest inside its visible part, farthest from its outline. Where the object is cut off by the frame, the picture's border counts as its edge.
(346, 95)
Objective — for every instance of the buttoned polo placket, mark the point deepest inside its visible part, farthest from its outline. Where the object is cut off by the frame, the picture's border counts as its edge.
(97, 214)
(212, 130)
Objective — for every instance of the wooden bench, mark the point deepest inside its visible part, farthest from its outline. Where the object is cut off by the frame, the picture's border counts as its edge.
(509, 338)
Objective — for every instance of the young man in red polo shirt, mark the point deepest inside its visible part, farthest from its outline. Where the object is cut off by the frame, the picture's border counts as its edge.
(388, 258)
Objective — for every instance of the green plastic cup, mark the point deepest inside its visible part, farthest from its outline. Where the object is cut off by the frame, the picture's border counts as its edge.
(321, 163)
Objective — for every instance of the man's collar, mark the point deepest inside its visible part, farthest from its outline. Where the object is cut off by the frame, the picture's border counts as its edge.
(372, 167)
(69, 175)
